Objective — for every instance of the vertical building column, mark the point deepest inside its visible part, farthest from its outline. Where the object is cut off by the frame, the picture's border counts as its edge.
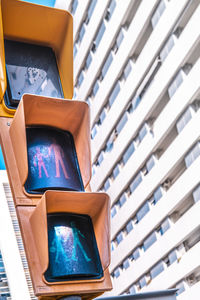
(9, 249)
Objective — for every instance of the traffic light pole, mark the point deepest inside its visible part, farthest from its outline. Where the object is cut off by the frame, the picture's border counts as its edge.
(71, 298)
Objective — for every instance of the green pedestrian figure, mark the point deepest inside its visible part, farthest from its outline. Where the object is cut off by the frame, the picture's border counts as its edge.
(77, 242)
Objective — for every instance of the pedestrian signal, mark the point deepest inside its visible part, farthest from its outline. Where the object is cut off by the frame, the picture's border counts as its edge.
(52, 160)
(47, 146)
(36, 55)
(68, 249)
(73, 251)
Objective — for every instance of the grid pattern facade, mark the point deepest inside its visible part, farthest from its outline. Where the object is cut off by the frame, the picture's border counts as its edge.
(137, 64)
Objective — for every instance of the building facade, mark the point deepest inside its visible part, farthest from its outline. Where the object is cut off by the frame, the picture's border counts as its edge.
(136, 63)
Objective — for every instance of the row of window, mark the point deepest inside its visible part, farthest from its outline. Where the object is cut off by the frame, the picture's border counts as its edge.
(16, 227)
(189, 158)
(193, 154)
(127, 69)
(109, 145)
(143, 210)
(147, 80)
(96, 41)
(124, 158)
(173, 256)
(4, 288)
(136, 253)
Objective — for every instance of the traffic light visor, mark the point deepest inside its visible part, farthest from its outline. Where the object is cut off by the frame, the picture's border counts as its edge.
(78, 220)
(73, 213)
(51, 140)
(29, 27)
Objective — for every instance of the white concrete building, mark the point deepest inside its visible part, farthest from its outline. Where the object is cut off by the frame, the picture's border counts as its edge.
(137, 64)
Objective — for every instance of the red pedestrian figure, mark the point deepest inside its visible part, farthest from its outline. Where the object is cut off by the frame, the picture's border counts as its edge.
(39, 156)
(59, 155)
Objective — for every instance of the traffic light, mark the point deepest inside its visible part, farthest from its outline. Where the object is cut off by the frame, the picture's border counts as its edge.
(36, 53)
(45, 140)
(67, 242)
(46, 146)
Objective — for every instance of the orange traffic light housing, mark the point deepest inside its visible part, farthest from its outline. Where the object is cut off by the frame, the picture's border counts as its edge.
(45, 138)
(78, 264)
(31, 31)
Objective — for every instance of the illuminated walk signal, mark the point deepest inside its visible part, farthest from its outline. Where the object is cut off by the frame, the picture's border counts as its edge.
(52, 160)
(67, 241)
(46, 146)
(38, 53)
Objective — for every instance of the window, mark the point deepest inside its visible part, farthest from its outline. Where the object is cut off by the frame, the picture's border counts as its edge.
(130, 150)
(117, 272)
(127, 69)
(114, 94)
(150, 163)
(88, 60)
(157, 194)
(136, 254)
(136, 181)
(81, 33)
(107, 184)
(113, 211)
(74, 6)
(165, 226)
(150, 241)
(158, 13)
(110, 10)
(112, 246)
(173, 256)
(119, 39)
(133, 290)
(119, 238)
(192, 155)
(168, 47)
(142, 282)
(75, 50)
(99, 35)
(90, 10)
(93, 170)
(94, 131)
(126, 264)
(100, 158)
(136, 101)
(181, 286)
(109, 144)
(107, 64)
(95, 88)
(80, 79)
(196, 194)
(143, 131)
(184, 119)
(102, 115)
(122, 199)
(122, 123)
(116, 171)
(157, 269)
(129, 226)
(176, 83)
(143, 211)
